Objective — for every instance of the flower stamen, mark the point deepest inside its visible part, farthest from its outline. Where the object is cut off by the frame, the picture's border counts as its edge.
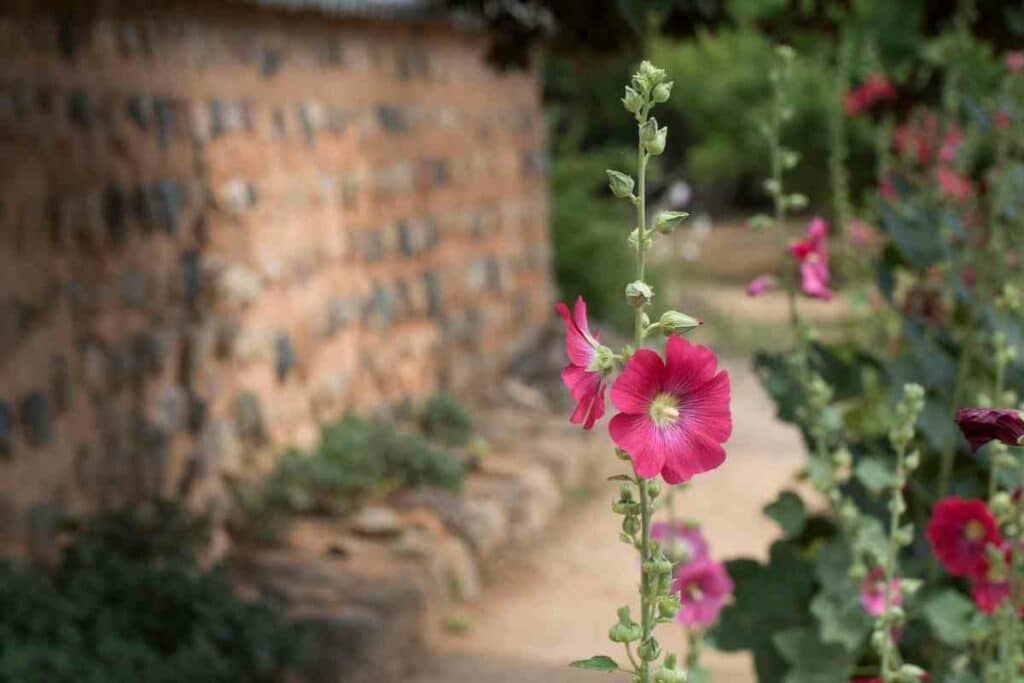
(664, 410)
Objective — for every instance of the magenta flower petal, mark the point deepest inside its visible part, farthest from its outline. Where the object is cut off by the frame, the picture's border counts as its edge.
(586, 383)
(636, 434)
(639, 382)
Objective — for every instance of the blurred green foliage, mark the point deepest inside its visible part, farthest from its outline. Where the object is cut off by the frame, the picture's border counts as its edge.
(127, 604)
(354, 460)
(445, 420)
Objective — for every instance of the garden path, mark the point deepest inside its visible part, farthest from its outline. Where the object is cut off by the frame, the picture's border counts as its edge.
(555, 604)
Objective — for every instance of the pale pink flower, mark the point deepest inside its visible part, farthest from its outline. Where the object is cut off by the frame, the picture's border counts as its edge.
(812, 255)
(872, 592)
(760, 284)
(1015, 62)
(682, 543)
(703, 587)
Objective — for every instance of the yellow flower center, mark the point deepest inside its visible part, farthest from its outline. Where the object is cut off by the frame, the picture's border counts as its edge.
(664, 409)
(974, 531)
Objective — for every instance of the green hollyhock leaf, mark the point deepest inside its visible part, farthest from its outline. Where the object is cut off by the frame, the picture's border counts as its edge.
(789, 513)
(843, 620)
(871, 538)
(833, 565)
(768, 598)
(596, 663)
(811, 660)
(875, 474)
(949, 615)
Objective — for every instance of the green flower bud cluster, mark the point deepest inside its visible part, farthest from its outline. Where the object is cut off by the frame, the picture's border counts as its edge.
(907, 411)
(625, 630)
(669, 672)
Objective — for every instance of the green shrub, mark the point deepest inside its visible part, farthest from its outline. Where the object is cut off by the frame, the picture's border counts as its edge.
(123, 609)
(445, 420)
(354, 460)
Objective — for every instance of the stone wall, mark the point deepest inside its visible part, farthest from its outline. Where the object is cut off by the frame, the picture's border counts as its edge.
(221, 225)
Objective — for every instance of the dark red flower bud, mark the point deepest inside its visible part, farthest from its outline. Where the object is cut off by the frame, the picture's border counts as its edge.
(981, 425)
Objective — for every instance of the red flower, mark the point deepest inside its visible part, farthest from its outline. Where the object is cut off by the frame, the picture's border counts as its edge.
(958, 532)
(703, 587)
(981, 425)
(954, 185)
(873, 90)
(812, 255)
(582, 376)
(675, 414)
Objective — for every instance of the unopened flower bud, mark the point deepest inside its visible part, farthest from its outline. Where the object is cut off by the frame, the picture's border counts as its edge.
(649, 650)
(622, 507)
(668, 221)
(668, 672)
(668, 606)
(621, 184)
(630, 524)
(657, 145)
(626, 630)
(913, 460)
(653, 488)
(674, 321)
(661, 92)
(632, 100)
(1002, 505)
(649, 130)
(639, 293)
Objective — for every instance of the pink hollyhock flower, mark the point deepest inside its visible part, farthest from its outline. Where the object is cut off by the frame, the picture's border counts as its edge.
(583, 375)
(872, 592)
(760, 284)
(958, 532)
(950, 144)
(703, 587)
(674, 414)
(954, 185)
(1015, 62)
(873, 90)
(682, 543)
(981, 425)
(812, 255)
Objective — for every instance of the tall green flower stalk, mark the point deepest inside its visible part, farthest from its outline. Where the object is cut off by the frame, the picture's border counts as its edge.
(637, 496)
(893, 669)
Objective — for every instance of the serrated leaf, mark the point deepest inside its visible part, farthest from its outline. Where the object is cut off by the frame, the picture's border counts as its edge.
(875, 475)
(949, 615)
(789, 513)
(596, 663)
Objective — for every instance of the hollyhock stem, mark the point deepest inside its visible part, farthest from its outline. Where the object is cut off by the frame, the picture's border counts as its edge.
(646, 611)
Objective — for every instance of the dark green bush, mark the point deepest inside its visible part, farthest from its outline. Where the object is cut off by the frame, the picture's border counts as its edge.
(127, 608)
(445, 420)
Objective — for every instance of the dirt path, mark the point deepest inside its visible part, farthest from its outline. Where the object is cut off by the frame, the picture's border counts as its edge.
(556, 604)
